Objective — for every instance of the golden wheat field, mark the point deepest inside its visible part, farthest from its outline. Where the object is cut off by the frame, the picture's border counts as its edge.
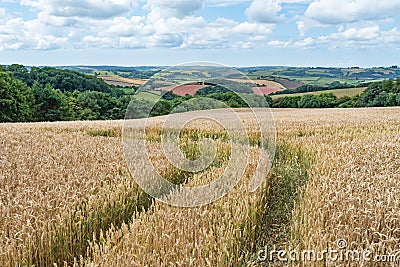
(67, 197)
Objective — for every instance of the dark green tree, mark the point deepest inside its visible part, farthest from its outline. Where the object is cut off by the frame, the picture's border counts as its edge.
(310, 101)
(51, 104)
(328, 100)
(20, 72)
(16, 100)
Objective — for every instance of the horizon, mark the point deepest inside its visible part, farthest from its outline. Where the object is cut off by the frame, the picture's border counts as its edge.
(168, 66)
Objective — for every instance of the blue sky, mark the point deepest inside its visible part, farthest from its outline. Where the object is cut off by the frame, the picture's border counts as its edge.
(232, 32)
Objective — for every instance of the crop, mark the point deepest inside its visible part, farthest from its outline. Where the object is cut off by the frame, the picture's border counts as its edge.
(67, 197)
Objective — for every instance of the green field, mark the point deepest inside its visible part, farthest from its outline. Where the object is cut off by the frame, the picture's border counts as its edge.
(337, 92)
(150, 95)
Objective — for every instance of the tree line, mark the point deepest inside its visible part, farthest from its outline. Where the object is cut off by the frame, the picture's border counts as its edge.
(378, 94)
(315, 88)
(50, 94)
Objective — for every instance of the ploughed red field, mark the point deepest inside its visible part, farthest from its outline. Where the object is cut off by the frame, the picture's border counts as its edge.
(265, 90)
(185, 89)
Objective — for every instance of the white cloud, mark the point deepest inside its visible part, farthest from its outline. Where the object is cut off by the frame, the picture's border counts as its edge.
(131, 42)
(305, 24)
(225, 3)
(279, 43)
(305, 43)
(264, 11)
(96, 41)
(11, 34)
(245, 45)
(391, 37)
(125, 27)
(187, 32)
(176, 8)
(16, 34)
(54, 21)
(353, 33)
(361, 35)
(351, 36)
(46, 42)
(82, 8)
(344, 11)
(254, 29)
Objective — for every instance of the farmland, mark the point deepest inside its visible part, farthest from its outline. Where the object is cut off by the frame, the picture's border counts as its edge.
(66, 194)
(185, 89)
(288, 77)
(152, 96)
(337, 92)
(124, 82)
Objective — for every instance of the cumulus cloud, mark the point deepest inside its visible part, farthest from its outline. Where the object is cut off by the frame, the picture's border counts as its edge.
(15, 33)
(361, 35)
(245, 45)
(176, 8)
(254, 29)
(12, 28)
(352, 36)
(47, 42)
(97, 41)
(345, 11)
(264, 11)
(82, 8)
(11, 34)
(54, 21)
(110, 24)
(125, 27)
(105, 23)
(187, 32)
(353, 33)
(305, 43)
(279, 43)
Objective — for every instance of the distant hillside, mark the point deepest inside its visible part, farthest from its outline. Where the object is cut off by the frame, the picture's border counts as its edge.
(289, 77)
(61, 79)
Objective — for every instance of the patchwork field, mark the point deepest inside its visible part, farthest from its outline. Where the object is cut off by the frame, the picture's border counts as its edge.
(337, 92)
(67, 197)
(120, 81)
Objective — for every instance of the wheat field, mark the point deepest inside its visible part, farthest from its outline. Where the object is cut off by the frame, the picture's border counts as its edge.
(67, 197)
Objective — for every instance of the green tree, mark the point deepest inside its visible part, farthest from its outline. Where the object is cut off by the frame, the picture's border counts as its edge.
(162, 107)
(16, 100)
(310, 101)
(21, 73)
(91, 104)
(328, 100)
(51, 104)
(287, 102)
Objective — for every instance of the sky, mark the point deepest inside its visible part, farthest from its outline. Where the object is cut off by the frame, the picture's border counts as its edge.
(332, 33)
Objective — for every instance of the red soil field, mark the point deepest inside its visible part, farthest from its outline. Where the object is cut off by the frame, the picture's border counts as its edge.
(265, 90)
(190, 89)
(182, 90)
